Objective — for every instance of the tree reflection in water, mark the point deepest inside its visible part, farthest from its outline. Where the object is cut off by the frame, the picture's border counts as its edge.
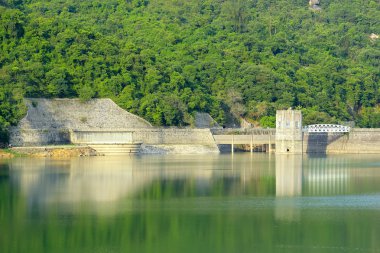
(190, 203)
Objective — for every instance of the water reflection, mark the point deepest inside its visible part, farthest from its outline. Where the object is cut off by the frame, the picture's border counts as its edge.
(288, 175)
(288, 184)
(101, 183)
(207, 204)
(327, 176)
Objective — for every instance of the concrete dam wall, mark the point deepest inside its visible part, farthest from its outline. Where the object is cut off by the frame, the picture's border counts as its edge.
(359, 140)
(154, 140)
(101, 121)
(174, 140)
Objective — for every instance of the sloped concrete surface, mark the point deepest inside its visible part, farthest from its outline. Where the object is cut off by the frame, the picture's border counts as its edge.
(74, 114)
(204, 120)
(48, 121)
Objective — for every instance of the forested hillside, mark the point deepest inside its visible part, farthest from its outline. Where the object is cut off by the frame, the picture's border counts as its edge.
(165, 59)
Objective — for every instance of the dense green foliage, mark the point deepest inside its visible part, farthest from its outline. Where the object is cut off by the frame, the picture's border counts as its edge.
(164, 59)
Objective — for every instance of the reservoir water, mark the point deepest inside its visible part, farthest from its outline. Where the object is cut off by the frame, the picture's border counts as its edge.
(193, 203)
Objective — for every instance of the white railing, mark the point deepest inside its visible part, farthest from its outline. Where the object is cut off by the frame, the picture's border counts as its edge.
(326, 128)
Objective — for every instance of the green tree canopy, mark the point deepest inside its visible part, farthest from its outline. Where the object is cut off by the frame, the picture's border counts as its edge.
(164, 60)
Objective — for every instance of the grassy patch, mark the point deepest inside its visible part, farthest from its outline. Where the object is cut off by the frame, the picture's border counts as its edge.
(11, 153)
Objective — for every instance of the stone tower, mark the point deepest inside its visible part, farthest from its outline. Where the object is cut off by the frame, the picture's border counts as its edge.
(289, 132)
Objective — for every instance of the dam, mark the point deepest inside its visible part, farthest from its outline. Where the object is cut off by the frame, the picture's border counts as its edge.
(108, 129)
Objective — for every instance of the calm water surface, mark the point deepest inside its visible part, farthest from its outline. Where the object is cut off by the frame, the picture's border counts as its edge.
(208, 203)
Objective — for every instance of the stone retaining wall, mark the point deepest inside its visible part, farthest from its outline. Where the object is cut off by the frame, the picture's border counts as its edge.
(48, 121)
(177, 141)
(155, 140)
(173, 136)
(38, 137)
(359, 140)
(74, 114)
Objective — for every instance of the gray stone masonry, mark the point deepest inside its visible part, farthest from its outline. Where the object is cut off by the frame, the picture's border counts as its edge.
(74, 114)
(289, 132)
(48, 121)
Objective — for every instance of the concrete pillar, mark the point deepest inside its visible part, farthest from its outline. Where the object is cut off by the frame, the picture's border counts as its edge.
(270, 143)
(232, 144)
(251, 144)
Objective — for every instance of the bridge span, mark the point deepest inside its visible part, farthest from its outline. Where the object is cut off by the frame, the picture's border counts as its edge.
(326, 128)
(264, 139)
(258, 139)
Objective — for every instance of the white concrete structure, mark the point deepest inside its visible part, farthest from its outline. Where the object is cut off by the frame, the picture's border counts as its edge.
(110, 136)
(289, 132)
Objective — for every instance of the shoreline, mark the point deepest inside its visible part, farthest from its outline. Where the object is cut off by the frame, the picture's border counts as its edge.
(6, 153)
(61, 151)
(67, 151)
